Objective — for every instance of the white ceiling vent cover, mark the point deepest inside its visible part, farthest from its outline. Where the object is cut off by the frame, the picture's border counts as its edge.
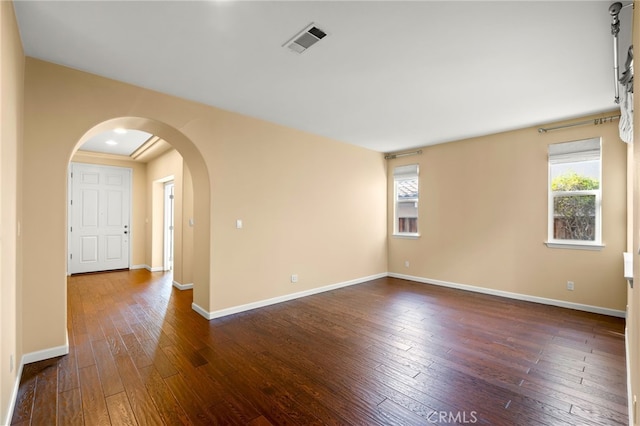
(305, 38)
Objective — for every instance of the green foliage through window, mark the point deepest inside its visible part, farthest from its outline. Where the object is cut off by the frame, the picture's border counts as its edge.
(574, 215)
(572, 181)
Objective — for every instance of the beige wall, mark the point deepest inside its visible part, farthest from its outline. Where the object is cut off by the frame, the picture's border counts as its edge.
(11, 98)
(483, 219)
(307, 202)
(186, 250)
(138, 196)
(310, 206)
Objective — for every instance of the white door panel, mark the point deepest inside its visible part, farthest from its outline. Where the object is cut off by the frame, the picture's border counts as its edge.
(113, 250)
(89, 249)
(99, 210)
(89, 208)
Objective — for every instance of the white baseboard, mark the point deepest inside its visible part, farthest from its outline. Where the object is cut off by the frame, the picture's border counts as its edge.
(148, 268)
(179, 286)
(262, 303)
(510, 295)
(517, 296)
(28, 359)
(200, 310)
(46, 353)
(139, 267)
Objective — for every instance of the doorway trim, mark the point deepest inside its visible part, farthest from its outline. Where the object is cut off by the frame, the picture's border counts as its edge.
(169, 225)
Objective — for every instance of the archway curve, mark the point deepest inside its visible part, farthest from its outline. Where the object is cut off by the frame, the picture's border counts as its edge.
(201, 192)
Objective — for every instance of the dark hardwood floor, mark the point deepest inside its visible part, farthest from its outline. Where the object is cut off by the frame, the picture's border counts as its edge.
(384, 352)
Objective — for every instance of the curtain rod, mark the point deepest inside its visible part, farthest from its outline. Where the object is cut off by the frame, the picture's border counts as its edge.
(401, 154)
(595, 122)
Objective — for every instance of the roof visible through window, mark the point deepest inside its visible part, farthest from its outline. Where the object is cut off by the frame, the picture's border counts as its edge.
(407, 188)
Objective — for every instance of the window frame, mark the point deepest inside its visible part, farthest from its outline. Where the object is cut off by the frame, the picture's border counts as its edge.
(400, 176)
(596, 243)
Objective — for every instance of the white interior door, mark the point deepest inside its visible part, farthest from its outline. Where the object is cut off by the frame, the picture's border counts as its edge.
(99, 225)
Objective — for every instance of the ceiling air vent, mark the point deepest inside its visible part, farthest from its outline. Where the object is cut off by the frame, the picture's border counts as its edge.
(305, 39)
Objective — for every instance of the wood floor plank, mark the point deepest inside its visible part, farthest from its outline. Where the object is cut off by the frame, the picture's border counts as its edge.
(384, 352)
(70, 408)
(169, 409)
(109, 377)
(68, 373)
(199, 382)
(396, 414)
(140, 401)
(46, 396)
(83, 351)
(136, 351)
(194, 406)
(594, 413)
(120, 410)
(23, 409)
(260, 421)
(94, 407)
(158, 358)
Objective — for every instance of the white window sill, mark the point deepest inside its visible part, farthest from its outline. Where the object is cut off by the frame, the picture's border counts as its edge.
(574, 246)
(409, 236)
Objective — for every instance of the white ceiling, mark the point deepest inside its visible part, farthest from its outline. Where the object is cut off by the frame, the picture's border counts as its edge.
(390, 75)
(117, 142)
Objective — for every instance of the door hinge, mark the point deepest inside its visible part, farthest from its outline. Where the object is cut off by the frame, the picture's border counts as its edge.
(72, 229)
(171, 197)
(70, 255)
(71, 202)
(71, 175)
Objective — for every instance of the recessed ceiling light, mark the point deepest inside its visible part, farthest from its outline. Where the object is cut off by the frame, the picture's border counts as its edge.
(120, 131)
(111, 142)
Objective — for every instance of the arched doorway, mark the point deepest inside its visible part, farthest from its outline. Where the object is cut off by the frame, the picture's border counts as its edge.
(201, 193)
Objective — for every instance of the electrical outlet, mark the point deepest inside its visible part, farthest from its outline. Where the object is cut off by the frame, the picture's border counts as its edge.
(294, 278)
(570, 285)
(406, 263)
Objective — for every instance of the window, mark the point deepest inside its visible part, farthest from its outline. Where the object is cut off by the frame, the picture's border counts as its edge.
(406, 200)
(575, 194)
